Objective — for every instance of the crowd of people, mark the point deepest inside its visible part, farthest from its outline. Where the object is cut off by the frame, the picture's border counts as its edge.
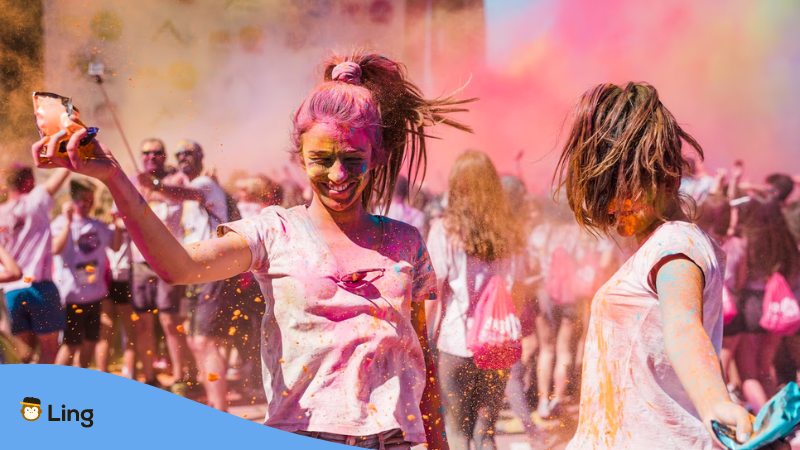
(346, 306)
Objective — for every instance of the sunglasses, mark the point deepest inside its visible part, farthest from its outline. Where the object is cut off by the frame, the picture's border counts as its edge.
(183, 153)
(153, 152)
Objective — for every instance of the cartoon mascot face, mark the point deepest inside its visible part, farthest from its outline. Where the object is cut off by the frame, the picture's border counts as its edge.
(31, 408)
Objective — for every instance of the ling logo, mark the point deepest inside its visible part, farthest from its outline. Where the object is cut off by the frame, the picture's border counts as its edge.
(31, 408)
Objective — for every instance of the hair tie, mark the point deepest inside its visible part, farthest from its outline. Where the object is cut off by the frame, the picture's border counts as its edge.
(348, 72)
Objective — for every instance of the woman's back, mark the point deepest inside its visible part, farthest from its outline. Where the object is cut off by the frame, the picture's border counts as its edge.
(463, 278)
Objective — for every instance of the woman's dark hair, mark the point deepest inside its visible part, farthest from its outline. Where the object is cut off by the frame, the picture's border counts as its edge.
(771, 247)
(624, 144)
(714, 214)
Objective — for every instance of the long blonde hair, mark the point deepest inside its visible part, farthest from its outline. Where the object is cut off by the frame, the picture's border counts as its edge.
(478, 212)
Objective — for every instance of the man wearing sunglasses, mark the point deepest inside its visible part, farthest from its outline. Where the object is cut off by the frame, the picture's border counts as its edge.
(33, 301)
(160, 185)
(211, 305)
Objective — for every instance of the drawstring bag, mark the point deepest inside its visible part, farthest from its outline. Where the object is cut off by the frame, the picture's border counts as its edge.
(494, 336)
(729, 309)
(780, 313)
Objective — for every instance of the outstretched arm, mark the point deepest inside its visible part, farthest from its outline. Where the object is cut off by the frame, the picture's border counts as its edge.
(60, 238)
(54, 182)
(201, 262)
(431, 404)
(679, 283)
(169, 191)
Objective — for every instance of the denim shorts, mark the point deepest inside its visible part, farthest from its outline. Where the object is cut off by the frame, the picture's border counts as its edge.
(36, 308)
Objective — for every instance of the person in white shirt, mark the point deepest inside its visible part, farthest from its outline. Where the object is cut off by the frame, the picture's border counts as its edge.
(478, 239)
(81, 266)
(152, 296)
(212, 305)
(117, 309)
(33, 301)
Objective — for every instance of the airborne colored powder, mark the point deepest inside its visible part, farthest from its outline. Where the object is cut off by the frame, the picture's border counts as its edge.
(229, 74)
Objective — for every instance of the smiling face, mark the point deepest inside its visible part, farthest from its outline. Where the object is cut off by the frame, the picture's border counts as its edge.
(190, 161)
(337, 162)
(153, 156)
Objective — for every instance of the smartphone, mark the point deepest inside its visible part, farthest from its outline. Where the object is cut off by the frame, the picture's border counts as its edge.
(56, 112)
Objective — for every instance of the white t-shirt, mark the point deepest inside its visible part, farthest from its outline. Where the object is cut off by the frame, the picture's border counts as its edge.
(120, 260)
(631, 397)
(81, 267)
(200, 220)
(335, 358)
(168, 211)
(463, 278)
(25, 233)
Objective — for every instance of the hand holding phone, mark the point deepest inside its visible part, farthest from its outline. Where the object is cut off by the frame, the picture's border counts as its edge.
(56, 114)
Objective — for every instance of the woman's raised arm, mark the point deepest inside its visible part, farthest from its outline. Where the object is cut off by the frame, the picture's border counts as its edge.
(201, 262)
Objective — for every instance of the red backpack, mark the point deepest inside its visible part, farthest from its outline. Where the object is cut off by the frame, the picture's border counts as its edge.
(494, 336)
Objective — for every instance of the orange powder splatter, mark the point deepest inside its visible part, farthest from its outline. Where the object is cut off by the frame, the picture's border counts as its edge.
(212, 377)
(606, 393)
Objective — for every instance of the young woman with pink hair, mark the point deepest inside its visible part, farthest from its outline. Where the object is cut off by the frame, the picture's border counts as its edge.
(344, 350)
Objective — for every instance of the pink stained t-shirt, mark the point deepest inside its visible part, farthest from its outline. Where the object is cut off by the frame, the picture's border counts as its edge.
(338, 359)
(631, 397)
(25, 233)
